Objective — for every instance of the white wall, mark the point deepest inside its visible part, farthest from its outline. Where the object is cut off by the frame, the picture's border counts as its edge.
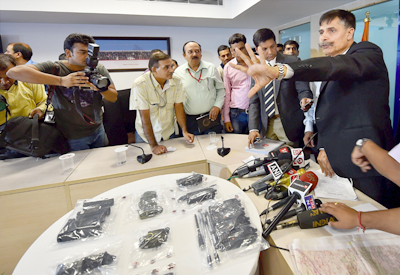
(46, 40)
(314, 23)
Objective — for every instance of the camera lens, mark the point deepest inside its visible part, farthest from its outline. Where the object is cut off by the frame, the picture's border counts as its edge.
(99, 81)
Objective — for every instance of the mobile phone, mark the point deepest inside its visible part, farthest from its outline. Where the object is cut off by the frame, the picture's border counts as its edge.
(309, 103)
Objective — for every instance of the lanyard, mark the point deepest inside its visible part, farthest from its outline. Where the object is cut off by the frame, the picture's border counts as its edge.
(198, 80)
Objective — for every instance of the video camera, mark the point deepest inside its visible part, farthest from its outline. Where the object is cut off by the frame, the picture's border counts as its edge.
(101, 82)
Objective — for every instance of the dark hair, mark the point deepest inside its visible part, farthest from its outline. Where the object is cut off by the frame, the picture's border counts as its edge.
(77, 38)
(291, 42)
(154, 58)
(222, 48)
(176, 62)
(263, 35)
(188, 43)
(348, 19)
(279, 45)
(236, 38)
(22, 48)
(155, 50)
(5, 60)
(62, 56)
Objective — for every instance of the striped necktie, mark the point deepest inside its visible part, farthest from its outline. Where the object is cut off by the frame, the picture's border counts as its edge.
(269, 99)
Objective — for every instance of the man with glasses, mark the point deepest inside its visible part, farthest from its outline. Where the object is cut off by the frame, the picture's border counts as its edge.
(158, 96)
(205, 91)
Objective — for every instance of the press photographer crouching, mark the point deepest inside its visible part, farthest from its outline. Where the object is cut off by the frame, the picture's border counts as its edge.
(73, 93)
(20, 98)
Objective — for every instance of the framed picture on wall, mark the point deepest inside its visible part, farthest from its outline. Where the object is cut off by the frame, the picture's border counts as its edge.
(122, 54)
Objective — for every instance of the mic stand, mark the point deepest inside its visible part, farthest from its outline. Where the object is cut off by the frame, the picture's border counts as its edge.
(293, 198)
(143, 158)
(223, 151)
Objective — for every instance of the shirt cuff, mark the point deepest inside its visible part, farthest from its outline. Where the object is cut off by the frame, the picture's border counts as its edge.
(253, 130)
(309, 126)
(289, 71)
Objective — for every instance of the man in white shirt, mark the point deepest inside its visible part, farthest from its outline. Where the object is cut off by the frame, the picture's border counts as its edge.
(204, 89)
(158, 96)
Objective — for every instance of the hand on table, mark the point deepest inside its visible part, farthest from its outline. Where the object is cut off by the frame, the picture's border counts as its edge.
(158, 149)
(346, 216)
(188, 136)
(324, 163)
(252, 136)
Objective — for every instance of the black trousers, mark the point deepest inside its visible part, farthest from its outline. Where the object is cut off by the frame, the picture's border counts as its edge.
(380, 189)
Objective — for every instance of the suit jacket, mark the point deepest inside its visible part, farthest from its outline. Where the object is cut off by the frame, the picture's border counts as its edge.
(288, 94)
(353, 103)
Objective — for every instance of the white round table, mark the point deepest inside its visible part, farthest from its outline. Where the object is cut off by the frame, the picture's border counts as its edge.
(45, 253)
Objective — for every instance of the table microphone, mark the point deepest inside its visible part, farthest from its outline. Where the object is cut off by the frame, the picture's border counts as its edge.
(143, 158)
(309, 219)
(223, 151)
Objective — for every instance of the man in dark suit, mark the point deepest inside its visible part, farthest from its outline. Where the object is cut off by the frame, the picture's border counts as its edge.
(353, 101)
(278, 102)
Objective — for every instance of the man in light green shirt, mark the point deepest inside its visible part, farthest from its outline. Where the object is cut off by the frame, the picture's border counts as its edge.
(204, 89)
(158, 96)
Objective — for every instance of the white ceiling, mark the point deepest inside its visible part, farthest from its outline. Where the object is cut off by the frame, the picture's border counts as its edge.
(266, 13)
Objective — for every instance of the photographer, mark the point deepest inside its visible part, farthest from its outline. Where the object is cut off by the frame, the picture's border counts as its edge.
(76, 101)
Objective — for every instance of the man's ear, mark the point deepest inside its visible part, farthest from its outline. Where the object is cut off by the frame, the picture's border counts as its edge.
(184, 54)
(68, 53)
(153, 69)
(350, 33)
(18, 55)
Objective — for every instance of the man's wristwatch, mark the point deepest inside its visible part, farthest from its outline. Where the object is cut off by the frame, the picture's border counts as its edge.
(360, 142)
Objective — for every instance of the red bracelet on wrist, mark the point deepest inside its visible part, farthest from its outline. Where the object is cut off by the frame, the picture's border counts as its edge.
(359, 222)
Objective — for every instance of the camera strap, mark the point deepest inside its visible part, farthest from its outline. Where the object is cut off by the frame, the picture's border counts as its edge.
(97, 99)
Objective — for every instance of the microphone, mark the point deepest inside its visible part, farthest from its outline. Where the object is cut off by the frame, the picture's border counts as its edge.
(298, 189)
(279, 192)
(296, 211)
(246, 169)
(263, 170)
(311, 177)
(223, 151)
(309, 219)
(260, 187)
(143, 158)
(275, 206)
(297, 155)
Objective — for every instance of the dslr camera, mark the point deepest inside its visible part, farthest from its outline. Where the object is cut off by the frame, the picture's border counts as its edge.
(101, 82)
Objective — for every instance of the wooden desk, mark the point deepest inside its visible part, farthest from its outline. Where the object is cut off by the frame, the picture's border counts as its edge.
(32, 197)
(100, 171)
(274, 259)
(219, 165)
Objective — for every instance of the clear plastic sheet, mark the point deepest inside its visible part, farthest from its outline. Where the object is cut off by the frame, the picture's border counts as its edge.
(183, 202)
(151, 245)
(225, 231)
(147, 204)
(88, 261)
(90, 218)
